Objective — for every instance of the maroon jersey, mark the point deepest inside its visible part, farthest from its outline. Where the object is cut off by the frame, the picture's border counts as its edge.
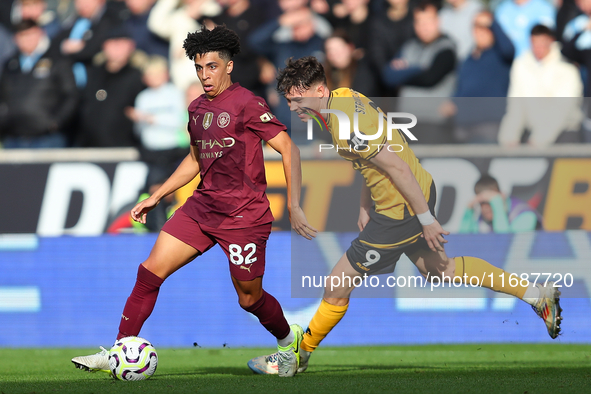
(227, 132)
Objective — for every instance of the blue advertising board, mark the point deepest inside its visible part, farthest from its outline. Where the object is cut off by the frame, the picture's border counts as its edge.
(70, 291)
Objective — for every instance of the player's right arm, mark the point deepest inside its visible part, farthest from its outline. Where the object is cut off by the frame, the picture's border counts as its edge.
(185, 173)
(407, 185)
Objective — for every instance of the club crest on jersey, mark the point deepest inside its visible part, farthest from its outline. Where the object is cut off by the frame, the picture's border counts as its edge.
(207, 120)
(356, 142)
(223, 119)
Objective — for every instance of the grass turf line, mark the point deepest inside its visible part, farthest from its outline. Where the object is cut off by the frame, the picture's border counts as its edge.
(489, 368)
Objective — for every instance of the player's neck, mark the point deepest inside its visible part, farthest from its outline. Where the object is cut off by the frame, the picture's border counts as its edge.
(324, 105)
(224, 85)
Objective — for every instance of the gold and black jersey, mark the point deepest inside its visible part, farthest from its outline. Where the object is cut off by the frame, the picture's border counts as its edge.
(388, 200)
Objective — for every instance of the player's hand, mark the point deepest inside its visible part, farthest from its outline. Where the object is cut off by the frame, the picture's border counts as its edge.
(433, 234)
(300, 224)
(138, 213)
(363, 218)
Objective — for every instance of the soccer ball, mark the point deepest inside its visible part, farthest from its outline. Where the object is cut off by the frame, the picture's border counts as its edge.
(132, 358)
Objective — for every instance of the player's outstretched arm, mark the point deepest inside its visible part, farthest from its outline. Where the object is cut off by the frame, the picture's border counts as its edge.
(407, 184)
(290, 155)
(185, 173)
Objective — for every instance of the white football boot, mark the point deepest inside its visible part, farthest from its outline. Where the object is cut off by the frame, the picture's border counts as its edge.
(93, 363)
(548, 308)
(267, 365)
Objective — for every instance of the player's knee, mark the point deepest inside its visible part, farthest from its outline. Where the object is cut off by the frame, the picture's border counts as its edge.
(152, 266)
(248, 300)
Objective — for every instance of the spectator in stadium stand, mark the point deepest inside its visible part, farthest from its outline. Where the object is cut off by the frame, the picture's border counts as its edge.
(577, 47)
(37, 10)
(457, 18)
(352, 16)
(5, 12)
(545, 95)
(576, 35)
(136, 22)
(484, 73)
(112, 86)
(158, 116)
(492, 212)
(345, 65)
(425, 69)
(297, 32)
(567, 11)
(517, 17)
(38, 95)
(81, 41)
(388, 31)
(171, 21)
(251, 71)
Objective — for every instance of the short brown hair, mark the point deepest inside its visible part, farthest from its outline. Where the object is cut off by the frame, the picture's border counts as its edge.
(542, 30)
(486, 182)
(300, 74)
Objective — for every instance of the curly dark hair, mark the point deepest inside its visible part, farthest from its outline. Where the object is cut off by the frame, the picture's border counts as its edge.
(220, 39)
(300, 74)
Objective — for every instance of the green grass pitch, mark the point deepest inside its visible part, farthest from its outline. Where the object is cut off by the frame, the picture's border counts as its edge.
(487, 368)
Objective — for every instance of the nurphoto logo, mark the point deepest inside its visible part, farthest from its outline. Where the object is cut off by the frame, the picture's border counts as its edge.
(358, 140)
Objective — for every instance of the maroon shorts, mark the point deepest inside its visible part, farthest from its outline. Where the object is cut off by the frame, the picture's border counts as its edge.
(245, 247)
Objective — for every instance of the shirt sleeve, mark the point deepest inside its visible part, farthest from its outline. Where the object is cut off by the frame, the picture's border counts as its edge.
(259, 119)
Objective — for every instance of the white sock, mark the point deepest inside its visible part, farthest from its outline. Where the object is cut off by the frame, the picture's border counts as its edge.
(287, 340)
(531, 294)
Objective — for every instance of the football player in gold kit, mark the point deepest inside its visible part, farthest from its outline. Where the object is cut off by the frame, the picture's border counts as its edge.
(396, 213)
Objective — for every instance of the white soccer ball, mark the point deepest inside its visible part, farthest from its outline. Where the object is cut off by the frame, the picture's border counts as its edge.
(132, 358)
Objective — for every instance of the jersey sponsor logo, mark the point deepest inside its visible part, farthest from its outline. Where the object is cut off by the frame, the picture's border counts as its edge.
(210, 155)
(223, 119)
(207, 120)
(195, 119)
(246, 268)
(266, 117)
(124, 317)
(363, 267)
(261, 104)
(210, 144)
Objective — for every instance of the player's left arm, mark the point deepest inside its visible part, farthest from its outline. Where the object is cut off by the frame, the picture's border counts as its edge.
(290, 155)
(407, 185)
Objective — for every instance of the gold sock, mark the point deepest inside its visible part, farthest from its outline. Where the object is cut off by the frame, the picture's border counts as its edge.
(467, 267)
(326, 317)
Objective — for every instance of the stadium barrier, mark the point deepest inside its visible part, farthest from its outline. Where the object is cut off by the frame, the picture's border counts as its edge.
(80, 191)
(70, 291)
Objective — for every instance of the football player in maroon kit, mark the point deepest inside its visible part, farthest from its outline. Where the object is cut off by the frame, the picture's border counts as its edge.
(227, 125)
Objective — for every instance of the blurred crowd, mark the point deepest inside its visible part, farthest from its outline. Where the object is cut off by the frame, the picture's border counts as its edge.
(113, 73)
